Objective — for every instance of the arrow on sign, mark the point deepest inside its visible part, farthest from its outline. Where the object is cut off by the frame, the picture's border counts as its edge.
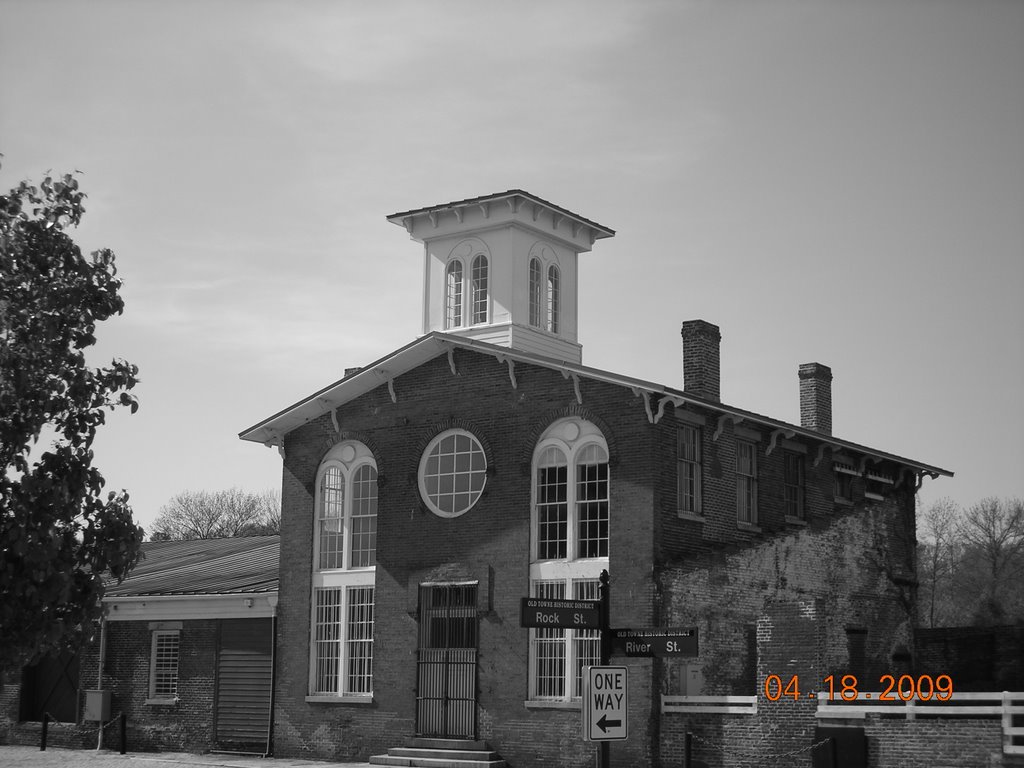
(604, 723)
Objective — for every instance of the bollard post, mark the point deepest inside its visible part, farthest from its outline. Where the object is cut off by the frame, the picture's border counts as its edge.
(124, 733)
(42, 739)
(688, 750)
(833, 748)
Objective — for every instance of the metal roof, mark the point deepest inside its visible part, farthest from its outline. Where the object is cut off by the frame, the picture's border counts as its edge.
(203, 567)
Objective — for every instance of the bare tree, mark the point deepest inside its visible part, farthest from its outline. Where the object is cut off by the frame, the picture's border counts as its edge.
(939, 551)
(991, 570)
(219, 514)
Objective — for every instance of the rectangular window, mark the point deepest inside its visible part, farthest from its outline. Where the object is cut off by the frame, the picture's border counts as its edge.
(793, 485)
(586, 643)
(559, 656)
(746, 482)
(163, 671)
(844, 474)
(548, 649)
(552, 512)
(688, 471)
(360, 640)
(592, 509)
(343, 641)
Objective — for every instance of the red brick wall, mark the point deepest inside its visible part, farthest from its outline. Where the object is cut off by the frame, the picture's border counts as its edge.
(490, 543)
(186, 726)
(665, 571)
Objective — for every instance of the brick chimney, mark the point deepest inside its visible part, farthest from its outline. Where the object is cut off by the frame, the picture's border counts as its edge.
(701, 359)
(816, 397)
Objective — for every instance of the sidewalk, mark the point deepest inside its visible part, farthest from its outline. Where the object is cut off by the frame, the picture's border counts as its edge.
(55, 757)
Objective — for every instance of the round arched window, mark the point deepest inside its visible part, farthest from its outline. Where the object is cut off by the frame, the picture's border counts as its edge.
(453, 472)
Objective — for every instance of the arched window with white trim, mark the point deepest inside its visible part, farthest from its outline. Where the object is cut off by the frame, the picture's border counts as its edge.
(478, 310)
(536, 293)
(554, 298)
(568, 549)
(453, 294)
(344, 560)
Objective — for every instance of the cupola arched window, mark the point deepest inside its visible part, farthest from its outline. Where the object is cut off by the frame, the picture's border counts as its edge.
(453, 294)
(554, 298)
(479, 290)
(536, 295)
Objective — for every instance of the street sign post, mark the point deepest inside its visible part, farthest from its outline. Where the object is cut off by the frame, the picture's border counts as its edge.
(604, 704)
(655, 641)
(550, 613)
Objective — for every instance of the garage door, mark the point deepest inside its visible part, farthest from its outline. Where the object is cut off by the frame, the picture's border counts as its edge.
(244, 677)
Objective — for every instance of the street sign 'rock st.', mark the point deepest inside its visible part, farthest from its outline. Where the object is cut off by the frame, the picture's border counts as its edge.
(551, 613)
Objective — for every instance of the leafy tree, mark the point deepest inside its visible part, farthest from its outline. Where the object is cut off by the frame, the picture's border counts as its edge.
(219, 514)
(59, 536)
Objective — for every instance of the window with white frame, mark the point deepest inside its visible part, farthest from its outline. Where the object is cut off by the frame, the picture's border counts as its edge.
(536, 293)
(569, 549)
(793, 484)
(163, 665)
(554, 297)
(688, 469)
(343, 573)
(559, 656)
(478, 309)
(453, 294)
(343, 641)
(746, 482)
(452, 473)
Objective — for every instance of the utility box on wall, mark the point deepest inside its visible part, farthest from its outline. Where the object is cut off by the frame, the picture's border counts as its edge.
(97, 706)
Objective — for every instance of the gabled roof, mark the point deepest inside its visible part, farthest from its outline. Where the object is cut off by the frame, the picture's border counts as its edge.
(203, 567)
(656, 398)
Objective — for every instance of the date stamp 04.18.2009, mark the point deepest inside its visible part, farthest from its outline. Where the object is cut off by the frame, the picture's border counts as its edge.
(847, 688)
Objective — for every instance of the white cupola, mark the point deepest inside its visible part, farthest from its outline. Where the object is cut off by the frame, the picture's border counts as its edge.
(502, 268)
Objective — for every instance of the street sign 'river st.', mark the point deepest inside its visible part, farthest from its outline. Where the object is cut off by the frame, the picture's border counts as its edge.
(655, 641)
(559, 614)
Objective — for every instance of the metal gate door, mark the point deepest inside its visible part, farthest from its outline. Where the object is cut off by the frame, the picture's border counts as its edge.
(446, 665)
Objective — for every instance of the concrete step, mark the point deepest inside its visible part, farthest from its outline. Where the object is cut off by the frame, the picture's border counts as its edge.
(434, 762)
(422, 742)
(441, 753)
(452, 754)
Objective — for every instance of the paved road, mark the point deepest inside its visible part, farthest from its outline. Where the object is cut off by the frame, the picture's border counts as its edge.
(54, 757)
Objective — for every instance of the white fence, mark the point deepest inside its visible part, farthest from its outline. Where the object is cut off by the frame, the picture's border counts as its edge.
(998, 704)
(716, 705)
(1004, 705)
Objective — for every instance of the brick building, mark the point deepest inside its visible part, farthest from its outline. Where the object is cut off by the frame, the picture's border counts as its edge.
(425, 494)
(185, 652)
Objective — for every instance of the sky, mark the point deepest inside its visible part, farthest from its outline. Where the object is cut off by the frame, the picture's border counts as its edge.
(834, 182)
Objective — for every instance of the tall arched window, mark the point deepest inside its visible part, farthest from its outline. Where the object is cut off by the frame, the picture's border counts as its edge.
(568, 549)
(344, 559)
(453, 294)
(479, 285)
(535, 292)
(554, 298)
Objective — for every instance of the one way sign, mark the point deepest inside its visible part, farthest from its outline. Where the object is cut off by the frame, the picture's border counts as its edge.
(604, 704)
